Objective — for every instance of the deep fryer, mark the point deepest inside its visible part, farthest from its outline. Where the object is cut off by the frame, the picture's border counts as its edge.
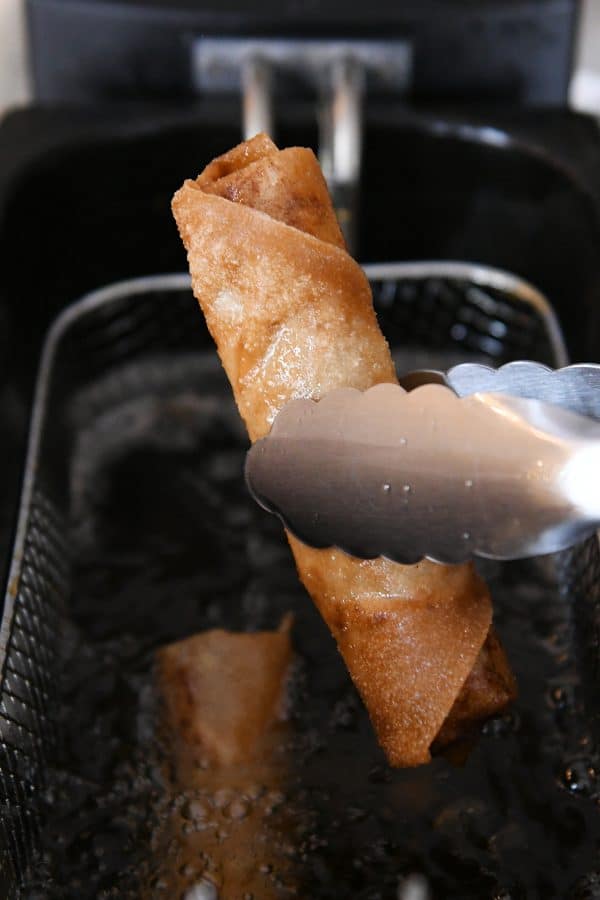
(104, 361)
(484, 178)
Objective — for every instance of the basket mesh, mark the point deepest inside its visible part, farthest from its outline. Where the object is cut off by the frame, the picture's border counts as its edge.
(431, 314)
(440, 313)
(27, 731)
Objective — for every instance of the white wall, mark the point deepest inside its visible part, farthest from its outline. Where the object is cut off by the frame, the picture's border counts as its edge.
(13, 70)
(585, 86)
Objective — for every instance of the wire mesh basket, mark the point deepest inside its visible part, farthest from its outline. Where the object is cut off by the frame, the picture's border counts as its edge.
(440, 312)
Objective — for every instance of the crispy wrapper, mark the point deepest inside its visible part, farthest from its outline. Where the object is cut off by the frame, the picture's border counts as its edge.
(224, 702)
(222, 690)
(292, 316)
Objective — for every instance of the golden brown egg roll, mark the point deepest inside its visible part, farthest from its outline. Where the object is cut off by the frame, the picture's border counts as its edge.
(222, 690)
(224, 696)
(292, 316)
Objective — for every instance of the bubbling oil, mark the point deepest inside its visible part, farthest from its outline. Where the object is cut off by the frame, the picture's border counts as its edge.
(167, 543)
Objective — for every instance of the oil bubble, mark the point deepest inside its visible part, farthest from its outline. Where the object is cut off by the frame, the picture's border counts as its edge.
(204, 890)
(579, 776)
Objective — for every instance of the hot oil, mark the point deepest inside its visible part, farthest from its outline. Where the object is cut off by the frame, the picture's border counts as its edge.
(166, 542)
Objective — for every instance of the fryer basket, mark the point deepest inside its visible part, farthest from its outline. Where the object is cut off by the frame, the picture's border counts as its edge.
(453, 311)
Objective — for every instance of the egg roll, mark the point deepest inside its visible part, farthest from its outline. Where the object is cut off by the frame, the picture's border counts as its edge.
(222, 690)
(224, 701)
(292, 316)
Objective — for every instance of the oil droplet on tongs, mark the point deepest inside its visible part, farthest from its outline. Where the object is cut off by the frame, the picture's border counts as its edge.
(406, 488)
(386, 488)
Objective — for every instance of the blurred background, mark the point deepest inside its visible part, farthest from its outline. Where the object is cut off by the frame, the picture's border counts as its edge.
(453, 132)
(15, 82)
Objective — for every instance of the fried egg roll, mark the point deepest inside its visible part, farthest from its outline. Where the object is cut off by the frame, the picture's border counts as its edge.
(292, 316)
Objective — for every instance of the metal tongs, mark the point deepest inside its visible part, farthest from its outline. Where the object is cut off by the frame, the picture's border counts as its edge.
(499, 463)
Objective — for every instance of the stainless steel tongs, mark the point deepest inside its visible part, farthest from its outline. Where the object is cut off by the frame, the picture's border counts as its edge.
(497, 463)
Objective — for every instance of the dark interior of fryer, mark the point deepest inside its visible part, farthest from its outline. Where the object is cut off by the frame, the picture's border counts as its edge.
(89, 198)
(143, 446)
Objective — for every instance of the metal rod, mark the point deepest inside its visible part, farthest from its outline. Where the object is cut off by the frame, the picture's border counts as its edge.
(257, 97)
(340, 151)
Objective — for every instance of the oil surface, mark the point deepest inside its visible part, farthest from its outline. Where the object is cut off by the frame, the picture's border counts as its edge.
(167, 542)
